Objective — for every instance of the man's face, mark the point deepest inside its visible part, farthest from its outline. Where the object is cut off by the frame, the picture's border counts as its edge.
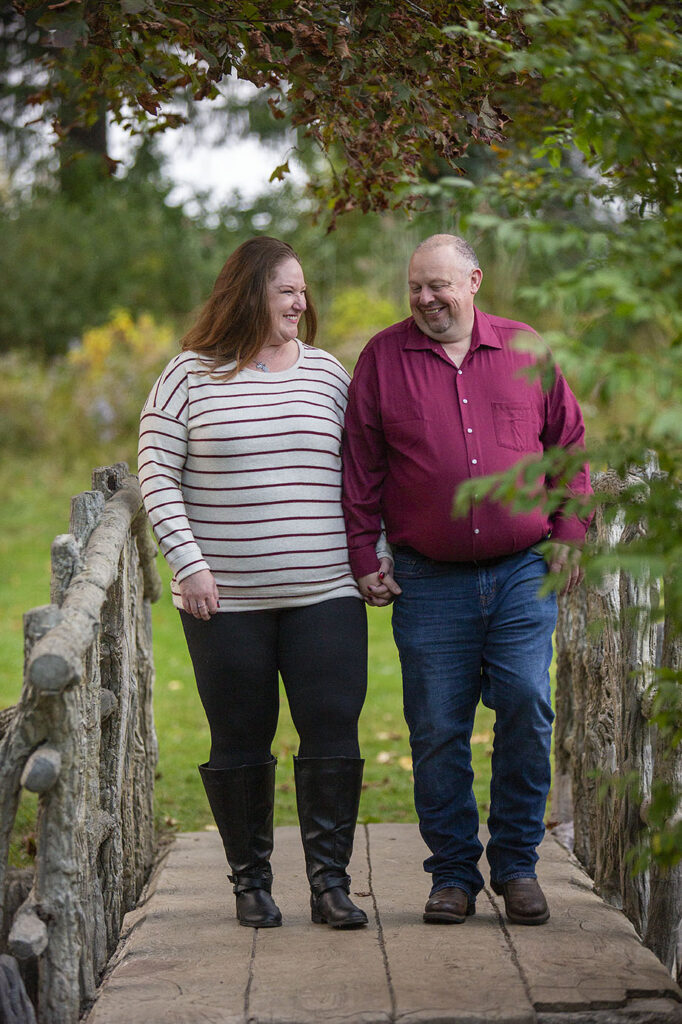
(442, 288)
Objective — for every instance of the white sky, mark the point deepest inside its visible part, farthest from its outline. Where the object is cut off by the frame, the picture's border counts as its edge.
(215, 169)
(200, 160)
(219, 170)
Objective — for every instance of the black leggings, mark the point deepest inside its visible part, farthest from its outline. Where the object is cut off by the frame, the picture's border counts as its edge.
(321, 653)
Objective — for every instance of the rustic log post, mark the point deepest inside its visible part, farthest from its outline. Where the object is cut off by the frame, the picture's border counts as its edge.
(664, 925)
(153, 587)
(569, 657)
(66, 563)
(63, 873)
(108, 479)
(26, 730)
(86, 510)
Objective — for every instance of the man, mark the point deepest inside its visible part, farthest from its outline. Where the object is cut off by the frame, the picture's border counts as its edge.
(445, 396)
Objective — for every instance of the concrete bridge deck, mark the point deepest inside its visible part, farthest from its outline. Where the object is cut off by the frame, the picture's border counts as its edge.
(185, 960)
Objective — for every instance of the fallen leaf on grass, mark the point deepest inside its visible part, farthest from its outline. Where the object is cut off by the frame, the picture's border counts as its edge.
(379, 784)
(406, 764)
(481, 737)
(384, 756)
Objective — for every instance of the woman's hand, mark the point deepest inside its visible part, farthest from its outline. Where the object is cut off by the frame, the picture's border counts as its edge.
(379, 588)
(200, 594)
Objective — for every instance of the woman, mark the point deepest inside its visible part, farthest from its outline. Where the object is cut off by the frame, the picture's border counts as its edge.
(240, 469)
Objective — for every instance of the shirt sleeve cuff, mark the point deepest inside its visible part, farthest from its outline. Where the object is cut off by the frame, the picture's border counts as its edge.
(569, 530)
(363, 561)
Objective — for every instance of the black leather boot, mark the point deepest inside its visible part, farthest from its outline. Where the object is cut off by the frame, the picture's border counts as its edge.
(328, 797)
(242, 801)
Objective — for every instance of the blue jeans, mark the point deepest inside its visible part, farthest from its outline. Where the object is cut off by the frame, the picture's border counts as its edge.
(464, 633)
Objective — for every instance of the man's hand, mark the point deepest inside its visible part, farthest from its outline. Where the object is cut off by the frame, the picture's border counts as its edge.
(199, 594)
(379, 588)
(564, 558)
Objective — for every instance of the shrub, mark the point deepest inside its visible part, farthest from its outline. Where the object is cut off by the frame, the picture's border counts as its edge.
(87, 403)
(354, 316)
(112, 370)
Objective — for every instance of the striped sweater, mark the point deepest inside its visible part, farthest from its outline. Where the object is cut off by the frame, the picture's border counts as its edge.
(243, 477)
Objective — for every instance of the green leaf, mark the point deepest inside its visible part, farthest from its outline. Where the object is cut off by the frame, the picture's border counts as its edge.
(279, 172)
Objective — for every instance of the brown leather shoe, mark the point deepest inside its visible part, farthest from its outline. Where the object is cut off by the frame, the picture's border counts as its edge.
(449, 906)
(524, 900)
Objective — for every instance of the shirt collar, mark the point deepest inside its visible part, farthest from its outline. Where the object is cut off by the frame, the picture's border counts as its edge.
(482, 334)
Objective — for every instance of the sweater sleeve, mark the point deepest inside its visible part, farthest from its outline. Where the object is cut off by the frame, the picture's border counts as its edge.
(161, 458)
(382, 547)
(564, 428)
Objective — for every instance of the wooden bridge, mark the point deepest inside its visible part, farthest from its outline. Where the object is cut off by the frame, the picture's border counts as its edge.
(82, 737)
(185, 959)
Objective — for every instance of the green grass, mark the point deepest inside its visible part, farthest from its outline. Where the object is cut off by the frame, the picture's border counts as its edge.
(36, 496)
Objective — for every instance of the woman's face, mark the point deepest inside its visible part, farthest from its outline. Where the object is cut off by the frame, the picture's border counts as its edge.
(286, 298)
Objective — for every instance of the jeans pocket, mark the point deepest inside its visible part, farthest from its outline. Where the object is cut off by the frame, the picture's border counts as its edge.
(414, 567)
(405, 567)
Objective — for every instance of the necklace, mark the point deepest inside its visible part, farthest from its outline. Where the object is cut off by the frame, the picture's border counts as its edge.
(262, 366)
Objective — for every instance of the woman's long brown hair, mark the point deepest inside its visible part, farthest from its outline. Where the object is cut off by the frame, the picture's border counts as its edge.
(235, 322)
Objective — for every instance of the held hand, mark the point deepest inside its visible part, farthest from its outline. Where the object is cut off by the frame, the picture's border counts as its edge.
(200, 594)
(563, 558)
(379, 588)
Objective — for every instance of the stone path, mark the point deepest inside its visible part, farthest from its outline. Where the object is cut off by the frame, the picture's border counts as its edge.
(185, 960)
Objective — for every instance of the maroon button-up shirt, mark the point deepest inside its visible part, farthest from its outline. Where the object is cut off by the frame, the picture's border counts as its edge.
(416, 427)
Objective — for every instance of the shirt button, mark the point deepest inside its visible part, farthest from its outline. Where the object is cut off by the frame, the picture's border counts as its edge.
(474, 461)
(465, 400)
(477, 531)
(469, 430)
(460, 372)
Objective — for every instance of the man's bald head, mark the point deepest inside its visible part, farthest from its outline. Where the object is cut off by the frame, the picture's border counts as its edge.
(458, 245)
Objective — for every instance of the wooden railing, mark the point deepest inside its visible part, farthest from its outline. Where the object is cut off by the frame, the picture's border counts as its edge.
(82, 737)
(608, 644)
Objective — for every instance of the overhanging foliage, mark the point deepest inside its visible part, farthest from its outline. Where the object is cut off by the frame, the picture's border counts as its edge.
(384, 83)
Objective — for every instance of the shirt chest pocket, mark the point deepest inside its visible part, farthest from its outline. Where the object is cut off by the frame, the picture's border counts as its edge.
(515, 426)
